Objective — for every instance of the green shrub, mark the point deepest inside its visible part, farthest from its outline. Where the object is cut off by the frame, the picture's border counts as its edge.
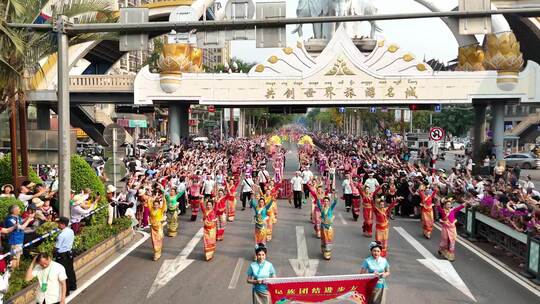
(5, 171)
(46, 228)
(83, 176)
(16, 281)
(5, 202)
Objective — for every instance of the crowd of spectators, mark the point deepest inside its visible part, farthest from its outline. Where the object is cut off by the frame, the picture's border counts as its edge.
(501, 194)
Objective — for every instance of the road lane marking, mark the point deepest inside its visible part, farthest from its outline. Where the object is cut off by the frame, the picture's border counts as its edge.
(103, 271)
(442, 268)
(236, 273)
(303, 266)
(171, 268)
(341, 218)
(495, 263)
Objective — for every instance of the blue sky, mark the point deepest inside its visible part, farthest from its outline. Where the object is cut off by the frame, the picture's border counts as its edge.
(422, 37)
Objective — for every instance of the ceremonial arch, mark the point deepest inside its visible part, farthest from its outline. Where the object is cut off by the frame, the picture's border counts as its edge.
(341, 75)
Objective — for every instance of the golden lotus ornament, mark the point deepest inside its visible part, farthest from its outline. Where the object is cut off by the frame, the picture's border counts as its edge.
(470, 58)
(503, 54)
(177, 58)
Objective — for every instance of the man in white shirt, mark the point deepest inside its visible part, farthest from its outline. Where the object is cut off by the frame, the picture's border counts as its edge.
(263, 177)
(371, 183)
(297, 185)
(51, 279)
(208, 187)
(307, 176)
(247, 189)
(181, 187)
(347, 191)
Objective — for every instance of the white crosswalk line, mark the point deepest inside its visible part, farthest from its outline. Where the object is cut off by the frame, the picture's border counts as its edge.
(236, 273)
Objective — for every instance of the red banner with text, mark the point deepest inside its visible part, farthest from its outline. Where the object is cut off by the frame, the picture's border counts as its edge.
(355, 288)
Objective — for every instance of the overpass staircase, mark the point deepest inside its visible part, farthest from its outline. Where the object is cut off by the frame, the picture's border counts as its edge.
(527, 129)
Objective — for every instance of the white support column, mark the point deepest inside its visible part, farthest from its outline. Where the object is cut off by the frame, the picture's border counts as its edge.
(497, 126)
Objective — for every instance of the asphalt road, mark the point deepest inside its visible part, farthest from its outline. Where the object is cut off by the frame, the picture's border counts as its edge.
(214, 282)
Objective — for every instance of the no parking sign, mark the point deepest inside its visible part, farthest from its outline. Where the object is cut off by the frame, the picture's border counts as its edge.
(436, 133)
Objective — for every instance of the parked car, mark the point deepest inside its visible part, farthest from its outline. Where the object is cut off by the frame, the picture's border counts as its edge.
(523, 160)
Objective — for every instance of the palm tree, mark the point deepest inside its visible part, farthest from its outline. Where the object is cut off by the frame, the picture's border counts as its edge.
(23, 49)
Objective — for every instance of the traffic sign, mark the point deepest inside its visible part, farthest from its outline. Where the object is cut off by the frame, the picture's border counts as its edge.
(438, 108)
(372, 110)
(436, 133)
(108, 134)
(115, 170)
(341, 109)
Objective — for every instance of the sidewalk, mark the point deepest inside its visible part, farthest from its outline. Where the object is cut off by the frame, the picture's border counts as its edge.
(88, 279)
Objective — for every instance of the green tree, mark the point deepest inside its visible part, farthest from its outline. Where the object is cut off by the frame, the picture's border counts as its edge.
(22, 49)
(455, 121)
(5, 172)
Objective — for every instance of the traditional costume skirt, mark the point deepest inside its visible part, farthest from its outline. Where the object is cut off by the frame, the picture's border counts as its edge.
(260, 234)
(327, 239)
(172, 222)
(269, 225)
(209, 240)
(317, 219)
(381, 235)
(367, 226)
(447, 245)
(222, 222)
(231, 206)
(427, 221)
(261, 297)
(157, 240)
(194, 202)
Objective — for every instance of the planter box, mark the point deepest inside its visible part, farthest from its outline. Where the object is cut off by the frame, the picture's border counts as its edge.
(83, 263)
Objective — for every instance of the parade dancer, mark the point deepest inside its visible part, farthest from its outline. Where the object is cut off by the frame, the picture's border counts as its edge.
(448, 221)
(426, 202)
(221, 213)
(172, 210)
(382, 213)
(195, 197)
(327, 223)
(315, 211)
(157, 209)
(269, 198)
(275, 194)
(260, 208)
(232, 185)
(356, 185)
(367, 210)
(210, 229)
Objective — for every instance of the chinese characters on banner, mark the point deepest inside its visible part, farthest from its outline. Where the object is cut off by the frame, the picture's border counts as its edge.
(355, 288)
(342, 90)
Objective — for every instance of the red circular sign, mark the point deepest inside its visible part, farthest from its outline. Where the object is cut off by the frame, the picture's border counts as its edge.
(211, 109)
(436, 133)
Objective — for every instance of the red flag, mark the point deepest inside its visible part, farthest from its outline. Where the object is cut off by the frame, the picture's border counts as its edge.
(355, 288)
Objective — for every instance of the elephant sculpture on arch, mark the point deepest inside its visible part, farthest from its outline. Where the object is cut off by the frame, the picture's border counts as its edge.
(312, 8)
(355, 8)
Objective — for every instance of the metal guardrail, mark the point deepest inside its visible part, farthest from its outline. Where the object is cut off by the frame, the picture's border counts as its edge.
(526, 246)
(101, 83)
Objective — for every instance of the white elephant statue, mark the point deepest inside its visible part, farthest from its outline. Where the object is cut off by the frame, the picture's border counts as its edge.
(312, 8)
(352, 8)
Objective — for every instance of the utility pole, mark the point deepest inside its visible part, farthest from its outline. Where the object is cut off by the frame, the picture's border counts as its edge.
(64, 128)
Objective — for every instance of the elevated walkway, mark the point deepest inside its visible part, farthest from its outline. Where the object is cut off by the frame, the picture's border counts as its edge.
(527, 129)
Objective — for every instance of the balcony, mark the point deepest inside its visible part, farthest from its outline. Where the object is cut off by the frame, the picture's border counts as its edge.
(101, 83)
